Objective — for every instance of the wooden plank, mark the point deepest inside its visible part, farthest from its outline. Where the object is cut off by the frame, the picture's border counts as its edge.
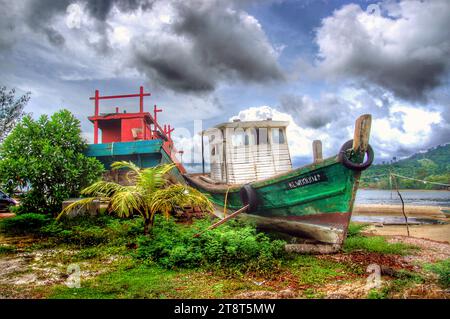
(223, 220)
(317, 151)
(124, 148)
(362, 133)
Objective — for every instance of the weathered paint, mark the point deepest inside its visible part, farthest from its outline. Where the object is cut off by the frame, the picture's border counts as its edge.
(320, 211)
(148, 153)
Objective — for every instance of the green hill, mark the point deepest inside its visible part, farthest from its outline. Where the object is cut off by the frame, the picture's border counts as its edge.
(432, 165)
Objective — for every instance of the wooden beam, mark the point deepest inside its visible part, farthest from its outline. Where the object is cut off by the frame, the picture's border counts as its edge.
(317, 151)
(223, 220)
(362, 133)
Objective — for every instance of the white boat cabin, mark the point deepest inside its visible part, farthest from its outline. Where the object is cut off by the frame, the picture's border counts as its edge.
(242, 152)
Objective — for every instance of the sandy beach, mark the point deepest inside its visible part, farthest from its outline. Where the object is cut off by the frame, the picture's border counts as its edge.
(436, 232)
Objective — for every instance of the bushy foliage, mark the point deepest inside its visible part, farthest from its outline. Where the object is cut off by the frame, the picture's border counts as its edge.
(234, 248)
(47, 156)
(80, 231)
(29, 223)
(148, 195)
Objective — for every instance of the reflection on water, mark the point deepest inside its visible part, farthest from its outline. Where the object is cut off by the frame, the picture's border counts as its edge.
(411, 197)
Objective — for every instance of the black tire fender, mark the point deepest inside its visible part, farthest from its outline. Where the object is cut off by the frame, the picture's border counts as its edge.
(249, 197)
(343, 158)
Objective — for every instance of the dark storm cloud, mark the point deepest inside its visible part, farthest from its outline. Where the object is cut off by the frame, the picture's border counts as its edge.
(405, 51)
(40, 12)
(209, 41)
(225, 40)
(309, 113)
(221, 44)
(171, 64)
(101, 8)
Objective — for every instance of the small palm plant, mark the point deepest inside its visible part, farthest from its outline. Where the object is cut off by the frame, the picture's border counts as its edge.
(150, 193)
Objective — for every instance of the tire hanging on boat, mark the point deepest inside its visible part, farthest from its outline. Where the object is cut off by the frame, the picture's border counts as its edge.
(343, 158)
(249, 197)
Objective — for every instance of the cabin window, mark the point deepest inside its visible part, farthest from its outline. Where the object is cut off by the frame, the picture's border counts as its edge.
(238, 138)
(250, 136)
(213, 150)
(278, 136)
(262, 136)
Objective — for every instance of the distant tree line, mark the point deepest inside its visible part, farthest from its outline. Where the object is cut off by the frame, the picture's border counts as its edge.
(431, 166)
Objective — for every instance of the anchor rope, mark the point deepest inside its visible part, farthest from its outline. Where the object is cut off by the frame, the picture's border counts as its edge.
(419, 180)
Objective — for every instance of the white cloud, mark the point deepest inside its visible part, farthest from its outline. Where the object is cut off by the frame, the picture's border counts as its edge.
(299, 139)
(403, 130)
(403, 47)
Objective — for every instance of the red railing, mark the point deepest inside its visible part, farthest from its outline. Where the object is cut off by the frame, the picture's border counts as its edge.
(157, 129)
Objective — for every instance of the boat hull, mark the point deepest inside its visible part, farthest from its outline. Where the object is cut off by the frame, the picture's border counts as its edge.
(313, 202)
(145, 153)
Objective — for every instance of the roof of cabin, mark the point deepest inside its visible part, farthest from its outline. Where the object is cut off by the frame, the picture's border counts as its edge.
(249, 124)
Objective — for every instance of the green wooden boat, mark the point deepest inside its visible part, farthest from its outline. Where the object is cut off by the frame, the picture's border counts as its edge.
(313, 202)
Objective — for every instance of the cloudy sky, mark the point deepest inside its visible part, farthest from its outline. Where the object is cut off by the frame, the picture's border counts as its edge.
(317, 63)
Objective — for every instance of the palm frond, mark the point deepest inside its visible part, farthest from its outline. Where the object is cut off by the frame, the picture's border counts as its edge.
(124, 164)
(125, 203)
(178, 196)
(104, 189)
(84, 202)
(153, 178)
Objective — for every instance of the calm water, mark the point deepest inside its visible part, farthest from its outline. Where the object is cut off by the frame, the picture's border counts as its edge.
(411, 197)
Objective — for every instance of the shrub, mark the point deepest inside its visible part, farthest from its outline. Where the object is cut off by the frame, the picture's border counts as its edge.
(235, 247)
(29, 223)
(92, 231)
(81, 231)
(47, 154)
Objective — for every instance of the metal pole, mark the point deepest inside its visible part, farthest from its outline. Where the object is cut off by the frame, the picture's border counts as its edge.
(141, 99)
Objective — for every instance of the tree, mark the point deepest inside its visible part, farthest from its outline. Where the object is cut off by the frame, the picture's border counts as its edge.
(150, 193)
(11, 110)
(47, 155)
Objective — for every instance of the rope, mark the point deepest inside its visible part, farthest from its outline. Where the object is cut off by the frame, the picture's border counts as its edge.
(420, 180)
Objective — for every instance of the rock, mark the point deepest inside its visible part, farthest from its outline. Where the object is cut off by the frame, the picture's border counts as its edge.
(286, 294)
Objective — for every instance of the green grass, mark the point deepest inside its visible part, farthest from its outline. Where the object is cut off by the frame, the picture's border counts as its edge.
(140, 282)
(7, 249)
(376, 244)
(376, 294)
(373, 244)
(152, 281)
(442, 269)
(403, 280)
(311, 293)
(355, 229)
(311, 270)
